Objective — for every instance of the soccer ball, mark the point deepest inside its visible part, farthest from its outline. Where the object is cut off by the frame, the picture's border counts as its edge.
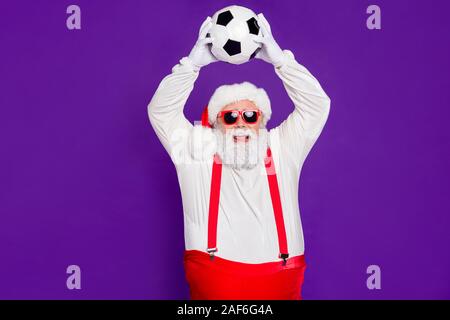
(233, 31)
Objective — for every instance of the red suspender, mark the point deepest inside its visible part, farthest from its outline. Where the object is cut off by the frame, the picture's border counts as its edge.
(214, 196)
(276, 204)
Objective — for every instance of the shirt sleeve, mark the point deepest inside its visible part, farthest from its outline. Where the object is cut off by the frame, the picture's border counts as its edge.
(298, 133)
(165, 110)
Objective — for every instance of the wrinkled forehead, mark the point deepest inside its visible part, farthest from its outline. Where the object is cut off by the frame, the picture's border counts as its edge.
(240, 105)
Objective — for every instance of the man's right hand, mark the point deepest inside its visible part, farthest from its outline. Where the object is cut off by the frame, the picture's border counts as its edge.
(201, 54)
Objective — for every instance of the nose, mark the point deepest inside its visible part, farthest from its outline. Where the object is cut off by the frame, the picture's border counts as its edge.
(240, 123)
(239, 126)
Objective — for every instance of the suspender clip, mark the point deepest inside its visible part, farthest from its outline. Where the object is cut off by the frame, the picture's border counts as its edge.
(211, 252)
(284, 256)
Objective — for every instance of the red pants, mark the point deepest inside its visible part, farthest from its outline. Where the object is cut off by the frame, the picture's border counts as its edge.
(221, 279)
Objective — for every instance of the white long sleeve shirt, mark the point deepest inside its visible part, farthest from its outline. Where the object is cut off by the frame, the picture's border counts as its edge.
(246, 230)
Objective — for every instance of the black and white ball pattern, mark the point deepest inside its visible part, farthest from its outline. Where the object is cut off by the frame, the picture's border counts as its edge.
(234, 29)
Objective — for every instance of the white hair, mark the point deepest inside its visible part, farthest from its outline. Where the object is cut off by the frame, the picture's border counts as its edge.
(227, 94)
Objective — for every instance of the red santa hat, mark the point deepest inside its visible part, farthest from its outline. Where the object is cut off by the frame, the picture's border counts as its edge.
(227, 94)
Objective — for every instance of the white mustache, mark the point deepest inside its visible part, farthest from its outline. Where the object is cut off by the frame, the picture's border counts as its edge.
(241, 155)
(240, 132)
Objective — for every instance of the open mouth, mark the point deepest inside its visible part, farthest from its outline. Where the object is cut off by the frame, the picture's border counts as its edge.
(241, 138)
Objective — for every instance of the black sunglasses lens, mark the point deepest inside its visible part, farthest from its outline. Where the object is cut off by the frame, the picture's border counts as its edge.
(230, 117)
(250, 116)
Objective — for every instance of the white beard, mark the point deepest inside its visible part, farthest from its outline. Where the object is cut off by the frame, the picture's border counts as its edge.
(242, 155)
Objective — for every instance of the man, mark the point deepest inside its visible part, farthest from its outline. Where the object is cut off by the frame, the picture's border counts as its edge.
(239, 181)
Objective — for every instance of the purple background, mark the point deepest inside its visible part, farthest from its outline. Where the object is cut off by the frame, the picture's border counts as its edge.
(84, 180)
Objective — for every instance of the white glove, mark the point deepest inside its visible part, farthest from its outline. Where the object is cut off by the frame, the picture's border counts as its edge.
(201, 54)
(270, 51)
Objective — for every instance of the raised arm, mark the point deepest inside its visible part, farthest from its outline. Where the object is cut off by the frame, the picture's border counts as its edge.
(301, 129)
(165, 110)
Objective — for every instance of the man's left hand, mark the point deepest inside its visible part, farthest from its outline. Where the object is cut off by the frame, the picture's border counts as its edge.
(270, 50)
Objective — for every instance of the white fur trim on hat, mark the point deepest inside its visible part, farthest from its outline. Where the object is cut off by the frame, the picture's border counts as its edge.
(227, 94)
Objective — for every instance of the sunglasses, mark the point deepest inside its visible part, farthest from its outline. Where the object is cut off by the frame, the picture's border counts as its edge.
(231, 116)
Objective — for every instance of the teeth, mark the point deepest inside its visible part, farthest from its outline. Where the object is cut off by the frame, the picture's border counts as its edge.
(245, 137)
